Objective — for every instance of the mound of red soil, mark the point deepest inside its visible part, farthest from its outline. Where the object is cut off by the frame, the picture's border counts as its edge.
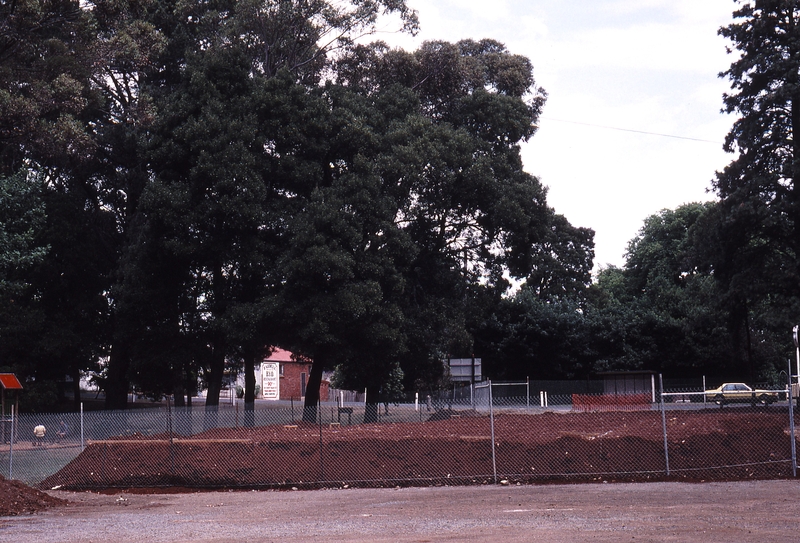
(17, 499)
(577, 447)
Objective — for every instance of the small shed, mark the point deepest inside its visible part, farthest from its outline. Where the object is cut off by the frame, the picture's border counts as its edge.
(624, 383)
(622, 391)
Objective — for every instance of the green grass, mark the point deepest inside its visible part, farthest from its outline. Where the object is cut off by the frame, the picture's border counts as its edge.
(33, 465)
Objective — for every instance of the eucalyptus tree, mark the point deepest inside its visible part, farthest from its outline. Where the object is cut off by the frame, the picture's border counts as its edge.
(421, 194)
(464, 196)
(231, 155)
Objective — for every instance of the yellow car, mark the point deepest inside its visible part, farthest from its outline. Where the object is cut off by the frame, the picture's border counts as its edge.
(740, 393)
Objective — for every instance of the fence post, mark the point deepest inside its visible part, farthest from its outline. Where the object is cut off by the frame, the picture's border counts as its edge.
(491, 422)
(11, 447)
(83, 445)
(528, 392)
(663, 421)
(791, 420)
(171, 444)
(321, 460)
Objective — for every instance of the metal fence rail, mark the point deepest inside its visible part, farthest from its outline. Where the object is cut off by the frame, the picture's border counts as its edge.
(484, 440)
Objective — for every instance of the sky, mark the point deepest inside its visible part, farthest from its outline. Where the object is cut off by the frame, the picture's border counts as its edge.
(632, 123)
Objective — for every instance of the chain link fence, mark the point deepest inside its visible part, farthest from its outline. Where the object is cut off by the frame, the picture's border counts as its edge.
(487, 436)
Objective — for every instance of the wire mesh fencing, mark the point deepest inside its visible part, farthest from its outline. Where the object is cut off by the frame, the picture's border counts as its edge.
(477, 440)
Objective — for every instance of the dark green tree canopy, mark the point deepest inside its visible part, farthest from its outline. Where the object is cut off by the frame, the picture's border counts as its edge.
(756, 228)
(759, 192)
(236, 174)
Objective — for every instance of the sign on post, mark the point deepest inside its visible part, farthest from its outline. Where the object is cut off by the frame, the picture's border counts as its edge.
(465, 370)
(270, 381)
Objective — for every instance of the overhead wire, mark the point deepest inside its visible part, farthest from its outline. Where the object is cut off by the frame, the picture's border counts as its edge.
(630, 130)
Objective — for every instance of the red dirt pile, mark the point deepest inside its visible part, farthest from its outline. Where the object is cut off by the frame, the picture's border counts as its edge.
(576, 447)
(19, 499)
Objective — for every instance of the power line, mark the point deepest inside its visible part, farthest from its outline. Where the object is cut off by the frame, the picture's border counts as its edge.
(631, 130)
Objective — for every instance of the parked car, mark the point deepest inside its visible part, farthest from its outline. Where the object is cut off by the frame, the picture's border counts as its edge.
(741, 393)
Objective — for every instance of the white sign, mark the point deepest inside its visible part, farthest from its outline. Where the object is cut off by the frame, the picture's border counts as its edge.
(461, 369)
(270, 381)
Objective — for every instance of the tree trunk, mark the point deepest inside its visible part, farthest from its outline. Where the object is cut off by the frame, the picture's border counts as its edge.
(178, 394)
(116, 385)
(794, 195)
(249, 388)
(312, 389)
(372, 403)
(76, 389)
(190, 385)
(214, 386)
(218, 350)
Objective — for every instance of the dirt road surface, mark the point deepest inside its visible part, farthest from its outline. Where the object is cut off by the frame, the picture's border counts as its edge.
(757, 511)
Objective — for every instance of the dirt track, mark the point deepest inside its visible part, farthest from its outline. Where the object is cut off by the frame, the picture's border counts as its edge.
(755, 511)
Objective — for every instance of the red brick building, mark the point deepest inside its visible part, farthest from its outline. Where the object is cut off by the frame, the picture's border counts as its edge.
(292, 379)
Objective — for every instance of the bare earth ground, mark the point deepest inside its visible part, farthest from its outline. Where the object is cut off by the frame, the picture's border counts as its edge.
(151, 498)
(549, 447)
(748, 511)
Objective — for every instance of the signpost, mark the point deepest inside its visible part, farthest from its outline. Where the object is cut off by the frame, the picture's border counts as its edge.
(466, 370)
(270, 381)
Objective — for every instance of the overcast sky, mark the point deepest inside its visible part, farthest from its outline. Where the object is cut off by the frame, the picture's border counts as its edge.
(638, 65)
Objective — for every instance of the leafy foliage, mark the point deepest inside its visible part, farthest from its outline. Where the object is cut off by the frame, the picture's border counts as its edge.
(224, 176)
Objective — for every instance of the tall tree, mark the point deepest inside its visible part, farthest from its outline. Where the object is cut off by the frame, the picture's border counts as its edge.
(759, 219)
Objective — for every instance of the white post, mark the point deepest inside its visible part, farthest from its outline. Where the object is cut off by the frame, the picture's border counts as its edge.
(791, 424)
(541, 398)
(704, 390)
(546, 403)
(528, 392)
(416, 401)
(653, 389)
(491, 420)
(365, 396)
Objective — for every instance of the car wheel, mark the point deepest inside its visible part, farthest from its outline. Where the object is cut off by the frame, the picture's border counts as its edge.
(766, 400)
(719, 399)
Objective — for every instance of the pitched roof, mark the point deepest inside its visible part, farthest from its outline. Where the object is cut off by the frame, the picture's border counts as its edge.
(287, 357)
(280, 355)
(10, 381)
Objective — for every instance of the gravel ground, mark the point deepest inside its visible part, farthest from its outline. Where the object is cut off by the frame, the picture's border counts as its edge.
(757, 511)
